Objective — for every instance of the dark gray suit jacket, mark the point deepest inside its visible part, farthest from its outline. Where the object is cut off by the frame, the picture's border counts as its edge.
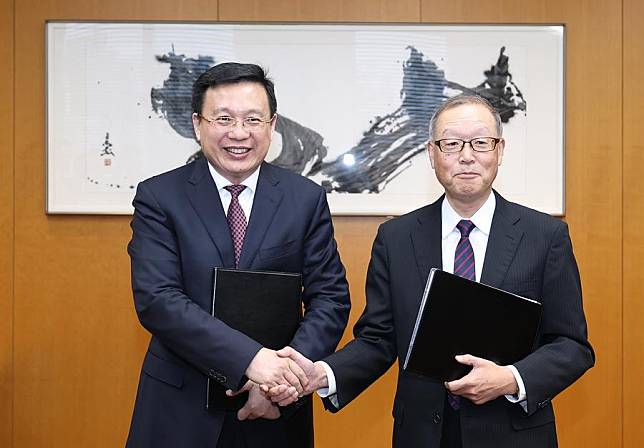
(528, 253)
(179, 233)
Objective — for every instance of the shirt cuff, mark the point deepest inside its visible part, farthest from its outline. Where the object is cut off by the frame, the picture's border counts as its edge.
(521, 396)
(331, 391)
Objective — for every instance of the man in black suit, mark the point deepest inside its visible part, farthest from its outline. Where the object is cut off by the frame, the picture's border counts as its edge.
(508, 246)
(228, 209)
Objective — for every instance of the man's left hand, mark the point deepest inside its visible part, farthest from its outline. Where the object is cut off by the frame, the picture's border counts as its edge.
(485, 382)
(257, 405)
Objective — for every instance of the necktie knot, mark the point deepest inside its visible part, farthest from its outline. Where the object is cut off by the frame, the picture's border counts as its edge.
(465, 226)
(235, 190)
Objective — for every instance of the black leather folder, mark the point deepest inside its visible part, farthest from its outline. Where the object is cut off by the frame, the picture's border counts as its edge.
(265, 306)
(459, 316)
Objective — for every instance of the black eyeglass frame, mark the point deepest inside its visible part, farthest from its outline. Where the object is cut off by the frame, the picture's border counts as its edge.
(496, 141)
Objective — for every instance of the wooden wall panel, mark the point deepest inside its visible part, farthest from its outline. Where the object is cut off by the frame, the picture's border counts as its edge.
(487, 11)
(593, 203)
(589, 413)
(367, 421)
(633, 210)
(320, 11)
(6, 222)
(76, 341)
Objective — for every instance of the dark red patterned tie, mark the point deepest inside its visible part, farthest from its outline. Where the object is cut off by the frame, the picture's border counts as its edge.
(464, 267)
(236, 220)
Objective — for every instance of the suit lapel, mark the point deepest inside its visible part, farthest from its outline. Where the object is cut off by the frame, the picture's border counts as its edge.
(502, 243)
(427, 240)
(204, 198)
(265, 204)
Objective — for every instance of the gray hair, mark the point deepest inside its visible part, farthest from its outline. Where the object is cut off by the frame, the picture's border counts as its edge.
(460, 100)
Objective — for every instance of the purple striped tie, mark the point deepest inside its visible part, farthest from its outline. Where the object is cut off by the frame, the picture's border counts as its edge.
(464, 255)
(236, 220)
(464, 267)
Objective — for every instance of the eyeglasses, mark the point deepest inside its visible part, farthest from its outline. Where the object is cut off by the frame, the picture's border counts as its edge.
(478, 144)
(228, 123)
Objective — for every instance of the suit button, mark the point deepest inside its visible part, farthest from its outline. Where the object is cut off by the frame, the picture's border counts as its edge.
(543, 404)
(437, 418)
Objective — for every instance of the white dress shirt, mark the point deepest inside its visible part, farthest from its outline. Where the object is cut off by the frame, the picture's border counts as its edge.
(245, 198)
(482, 219)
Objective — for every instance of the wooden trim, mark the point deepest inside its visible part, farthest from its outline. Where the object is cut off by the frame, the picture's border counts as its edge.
(6, 220)
(633, 212)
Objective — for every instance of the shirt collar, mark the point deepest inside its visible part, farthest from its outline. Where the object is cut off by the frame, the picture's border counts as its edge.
(482, 219)
(221, 181)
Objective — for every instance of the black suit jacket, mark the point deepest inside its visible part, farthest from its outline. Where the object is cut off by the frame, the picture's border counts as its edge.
(179, 233)
(528, 253)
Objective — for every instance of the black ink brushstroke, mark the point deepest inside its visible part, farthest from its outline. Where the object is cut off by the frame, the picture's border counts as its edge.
(301, 147)
(174, 100)
(379, 157)
(394, 138)
(498, 88)
(385, 149)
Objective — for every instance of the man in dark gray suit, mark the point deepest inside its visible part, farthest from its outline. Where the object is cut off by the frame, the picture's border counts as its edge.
(474, 232)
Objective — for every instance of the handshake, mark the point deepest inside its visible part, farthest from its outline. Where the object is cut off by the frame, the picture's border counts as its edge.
(285, 375)
(278, 378)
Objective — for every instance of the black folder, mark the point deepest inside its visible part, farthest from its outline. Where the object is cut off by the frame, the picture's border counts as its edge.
(459, 316)
(265, 306)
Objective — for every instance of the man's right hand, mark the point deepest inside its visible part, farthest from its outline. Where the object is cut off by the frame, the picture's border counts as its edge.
(271, 370)
(315, 372)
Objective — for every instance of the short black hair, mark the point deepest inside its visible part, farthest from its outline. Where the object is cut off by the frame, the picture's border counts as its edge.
(231, 73)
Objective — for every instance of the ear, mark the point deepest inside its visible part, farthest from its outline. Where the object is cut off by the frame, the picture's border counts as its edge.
(500, 148)
(431, 150)
(195, 125)
(274, 123)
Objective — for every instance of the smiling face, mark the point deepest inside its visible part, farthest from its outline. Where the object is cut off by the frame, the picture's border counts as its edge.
(235, 153)
(467, 176)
